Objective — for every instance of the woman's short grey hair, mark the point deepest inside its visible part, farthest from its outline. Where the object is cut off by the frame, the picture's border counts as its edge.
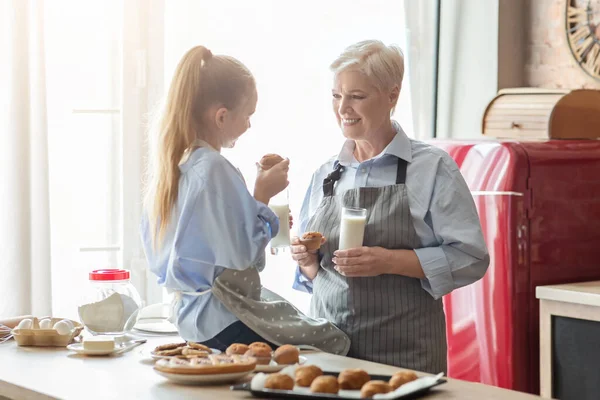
(383, 64)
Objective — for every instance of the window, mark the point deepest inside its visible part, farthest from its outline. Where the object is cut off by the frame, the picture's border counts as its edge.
(289, 49)
(95, 73)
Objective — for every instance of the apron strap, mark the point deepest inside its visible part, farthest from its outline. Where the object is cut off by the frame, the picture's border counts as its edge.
(331, 179)
(401, 172)
(176, 301)
(336, 174)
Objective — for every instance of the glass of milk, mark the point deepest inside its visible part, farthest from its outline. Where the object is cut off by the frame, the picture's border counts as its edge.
(352, 229)
(280, 205)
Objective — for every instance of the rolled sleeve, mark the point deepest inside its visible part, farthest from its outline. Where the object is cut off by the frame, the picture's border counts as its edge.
(302, 283)
(438, 276)
(457, 256)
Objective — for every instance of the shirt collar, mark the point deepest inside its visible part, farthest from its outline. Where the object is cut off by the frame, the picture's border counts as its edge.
(399, 147)
(190, 154)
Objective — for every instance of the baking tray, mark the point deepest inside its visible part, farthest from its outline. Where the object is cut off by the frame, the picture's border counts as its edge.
(348, 394)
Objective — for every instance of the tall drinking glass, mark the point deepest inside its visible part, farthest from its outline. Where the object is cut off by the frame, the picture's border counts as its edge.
(280, 205)
(352, 228)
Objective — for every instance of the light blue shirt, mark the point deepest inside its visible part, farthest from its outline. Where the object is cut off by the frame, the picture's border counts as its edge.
(216, 224)
(453, 252)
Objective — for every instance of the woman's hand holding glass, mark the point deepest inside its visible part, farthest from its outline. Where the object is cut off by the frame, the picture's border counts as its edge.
(272, 181)
(361, 261)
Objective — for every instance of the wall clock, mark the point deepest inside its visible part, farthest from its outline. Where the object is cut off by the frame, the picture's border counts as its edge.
(583, 34)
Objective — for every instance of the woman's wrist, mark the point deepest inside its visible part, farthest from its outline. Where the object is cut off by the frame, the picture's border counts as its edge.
(402, 262)
(309, 271)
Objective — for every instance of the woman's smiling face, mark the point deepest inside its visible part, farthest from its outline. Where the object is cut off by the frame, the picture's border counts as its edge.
(361, 109)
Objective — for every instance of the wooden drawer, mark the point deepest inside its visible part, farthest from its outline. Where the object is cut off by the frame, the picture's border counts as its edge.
(530, 113)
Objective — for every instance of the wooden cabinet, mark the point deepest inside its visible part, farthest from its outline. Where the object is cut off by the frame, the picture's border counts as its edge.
(530, 113)
(570, 340)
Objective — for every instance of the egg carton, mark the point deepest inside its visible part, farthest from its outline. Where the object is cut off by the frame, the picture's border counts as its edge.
(46, 337)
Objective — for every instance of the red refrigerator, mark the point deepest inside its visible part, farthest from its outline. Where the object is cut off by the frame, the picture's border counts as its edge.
(539, 205)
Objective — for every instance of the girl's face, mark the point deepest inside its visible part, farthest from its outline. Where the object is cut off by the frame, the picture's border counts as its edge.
(237, 120)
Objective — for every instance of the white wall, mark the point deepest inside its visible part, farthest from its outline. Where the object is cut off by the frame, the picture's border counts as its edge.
(288, 47)
(468, 65)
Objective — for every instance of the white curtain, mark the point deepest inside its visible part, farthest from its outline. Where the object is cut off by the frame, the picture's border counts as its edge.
(25, 286)
(420, 38)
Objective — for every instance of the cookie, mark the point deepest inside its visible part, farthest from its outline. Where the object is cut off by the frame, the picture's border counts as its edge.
(199, 346)
(189, 351)
(168, 353)
(213, 364)
(169, 346)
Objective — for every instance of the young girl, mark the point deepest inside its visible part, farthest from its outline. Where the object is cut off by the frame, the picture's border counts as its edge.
(204, 234)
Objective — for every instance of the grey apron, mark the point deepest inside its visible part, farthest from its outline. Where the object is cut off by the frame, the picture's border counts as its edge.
(270, 315)
(390, 319)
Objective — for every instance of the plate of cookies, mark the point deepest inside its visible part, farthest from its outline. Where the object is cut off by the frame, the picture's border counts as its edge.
(268, 360)
(212, 369)
(182, 350)
(310, 382)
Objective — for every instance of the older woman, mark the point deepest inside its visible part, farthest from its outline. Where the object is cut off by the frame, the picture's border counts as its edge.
(422, 238)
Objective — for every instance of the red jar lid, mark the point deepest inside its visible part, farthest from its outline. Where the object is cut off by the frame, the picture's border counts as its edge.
(109, 275)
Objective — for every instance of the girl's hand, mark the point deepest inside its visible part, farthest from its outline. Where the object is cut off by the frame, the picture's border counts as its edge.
(272, 181)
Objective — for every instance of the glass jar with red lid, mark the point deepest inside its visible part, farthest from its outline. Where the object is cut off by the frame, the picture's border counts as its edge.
(111, 303)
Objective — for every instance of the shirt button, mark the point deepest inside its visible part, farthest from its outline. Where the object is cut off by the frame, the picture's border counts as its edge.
(363, 170)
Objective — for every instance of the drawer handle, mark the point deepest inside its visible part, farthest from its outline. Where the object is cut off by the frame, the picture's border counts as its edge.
(515, 125)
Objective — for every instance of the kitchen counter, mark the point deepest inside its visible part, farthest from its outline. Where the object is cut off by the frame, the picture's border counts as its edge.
(569, 335)
(49, 373)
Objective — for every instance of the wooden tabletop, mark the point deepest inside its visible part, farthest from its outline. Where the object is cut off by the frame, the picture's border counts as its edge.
(587, 293)
(50, 373)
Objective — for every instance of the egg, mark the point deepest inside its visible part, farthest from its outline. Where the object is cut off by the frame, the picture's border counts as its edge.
(46, 323)
(27, 323)
(70, 323)
(63, 327)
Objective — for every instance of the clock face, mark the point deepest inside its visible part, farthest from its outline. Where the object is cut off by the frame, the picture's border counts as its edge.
(583, 34)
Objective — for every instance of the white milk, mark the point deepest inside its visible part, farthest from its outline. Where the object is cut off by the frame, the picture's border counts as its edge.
(352, 231)
(283, 237)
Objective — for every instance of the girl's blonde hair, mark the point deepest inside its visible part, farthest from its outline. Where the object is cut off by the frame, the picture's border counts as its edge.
(383, 64)
(201, 80)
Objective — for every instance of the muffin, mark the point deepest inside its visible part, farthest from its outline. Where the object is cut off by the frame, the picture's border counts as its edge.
(311, 240)
(305, 375)
(372, 388)
(279, 381)
(325, 384)
(353, 379)
(287, 354)
(261, 348)
(402, 377)
(237, 348)
(261, 351)
(268, 160)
